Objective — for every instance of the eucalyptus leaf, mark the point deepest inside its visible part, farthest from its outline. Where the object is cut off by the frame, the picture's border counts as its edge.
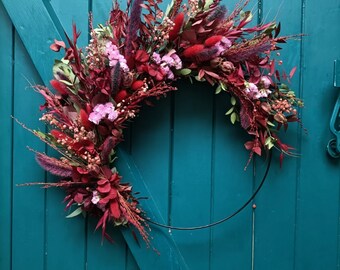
(185, 71)
(199, 79)
(207, 4)
(270, 142)
(62, 71)
(66, 82)
(270, 124)
(233, 117)
(218, 89)
(229, 111)
(169, 8)
(75, 213)
(114, 170)
(76, 106)
(233, 101)
(246, 15)
(40, 134)
(223, 86)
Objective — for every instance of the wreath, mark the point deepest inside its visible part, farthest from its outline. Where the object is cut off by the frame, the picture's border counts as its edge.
(139, 54)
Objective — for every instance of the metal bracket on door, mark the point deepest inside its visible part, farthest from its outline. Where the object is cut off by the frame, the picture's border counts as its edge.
(333, 146)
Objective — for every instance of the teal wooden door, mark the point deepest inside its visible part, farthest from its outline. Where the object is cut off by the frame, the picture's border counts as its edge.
(184, 149)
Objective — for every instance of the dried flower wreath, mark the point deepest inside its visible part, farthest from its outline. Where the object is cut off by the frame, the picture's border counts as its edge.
(138, 54)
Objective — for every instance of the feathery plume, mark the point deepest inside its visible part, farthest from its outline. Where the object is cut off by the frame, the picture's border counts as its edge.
(132, 28)
(115, 78)
(53, 165)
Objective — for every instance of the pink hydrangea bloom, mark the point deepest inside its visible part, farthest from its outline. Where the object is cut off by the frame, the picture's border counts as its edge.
(102, 111)
(255, 93)
(252, 90)
(166, 62)
(115, 56)
(226, 43)
(265, 82)
(156, 58)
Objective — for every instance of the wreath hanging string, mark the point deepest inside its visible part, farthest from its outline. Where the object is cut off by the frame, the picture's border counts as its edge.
(138, 55)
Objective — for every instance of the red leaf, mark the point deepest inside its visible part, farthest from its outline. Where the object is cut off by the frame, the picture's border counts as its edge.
(197, 22)
(257, 150)
(114, 209)
(141, 56)
(212, 74)
(277, 75)
(201, 74)
(189, 35)
(249, 145)
(291, 73)
(102, 223)
(84, 119)
(82, 170)
(78, 198)
(281, 159)
(240, 72)
(102, 182)
(272, 67)
(104, 188)
(57, 45)
(112, 195)
(59, 135)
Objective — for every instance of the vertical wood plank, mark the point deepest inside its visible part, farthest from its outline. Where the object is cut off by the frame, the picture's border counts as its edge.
(191, 170)
(232, 186)
(275, 213)
(318, 216)
(60, 230)
(28, 202)
(99, 256)
(231, 242)
(6, 137)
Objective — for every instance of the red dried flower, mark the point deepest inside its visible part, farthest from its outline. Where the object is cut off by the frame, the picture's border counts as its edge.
(121, 95)
(211, 41)
(136, 85)
(193, 51)
(179, 19)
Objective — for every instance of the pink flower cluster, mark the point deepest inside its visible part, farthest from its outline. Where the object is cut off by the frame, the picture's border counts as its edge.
(222, 45)
(255, 92)
(102, 111)
(115, 56)
(166, 62)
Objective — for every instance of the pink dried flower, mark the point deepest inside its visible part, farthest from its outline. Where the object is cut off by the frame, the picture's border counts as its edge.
(156, 58)
(265, 82)
(115, 57)
(95, 197)
(252, 90)
(102, 111)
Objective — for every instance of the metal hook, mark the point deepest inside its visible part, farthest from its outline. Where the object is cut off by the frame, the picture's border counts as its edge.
(333, 146)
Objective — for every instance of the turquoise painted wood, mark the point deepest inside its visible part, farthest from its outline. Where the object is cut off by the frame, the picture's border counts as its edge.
(183, 154)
